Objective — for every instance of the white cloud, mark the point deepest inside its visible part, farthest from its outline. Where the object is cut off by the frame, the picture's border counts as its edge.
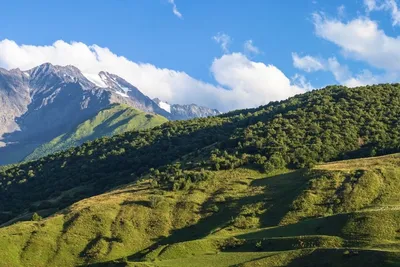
(250, 48)
(386, 5)
(240, 82)
(307, 63)
(341, 73)
(175, 9)
(364, 78)
(223, 40)
(370, 5)
(345, 77)
(301, 82)
(361, 39)
(252, 81)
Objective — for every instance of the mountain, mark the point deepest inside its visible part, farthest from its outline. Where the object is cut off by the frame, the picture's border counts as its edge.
(292, 183)
(115, 119)
(51, 99)
(48, 101)
(185, 112)
(14, 99)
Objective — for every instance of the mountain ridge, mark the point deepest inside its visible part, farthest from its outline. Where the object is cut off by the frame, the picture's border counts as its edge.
(49, 100)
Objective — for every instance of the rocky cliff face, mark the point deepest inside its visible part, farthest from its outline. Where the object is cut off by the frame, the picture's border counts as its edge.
(14, 99)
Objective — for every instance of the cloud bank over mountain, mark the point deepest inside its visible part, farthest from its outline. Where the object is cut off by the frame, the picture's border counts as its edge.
(239, 81)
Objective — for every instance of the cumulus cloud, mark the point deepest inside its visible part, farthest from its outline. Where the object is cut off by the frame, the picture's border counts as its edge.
(223, 40)
(250, 48)
(249, 81)
(361, 39)
(341, 72)
(301, 82)
(386, 5)
(239, 82)
(175, 9)
(307, 63)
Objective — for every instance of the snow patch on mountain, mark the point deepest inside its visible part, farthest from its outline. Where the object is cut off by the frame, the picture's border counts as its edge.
(122, 94)
(165, 106)
(95, 78)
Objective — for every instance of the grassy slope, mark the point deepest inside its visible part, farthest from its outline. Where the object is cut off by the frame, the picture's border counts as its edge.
(339, 214)
(113, 120)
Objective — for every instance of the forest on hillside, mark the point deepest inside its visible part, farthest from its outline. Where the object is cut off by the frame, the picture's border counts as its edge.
(319, 126)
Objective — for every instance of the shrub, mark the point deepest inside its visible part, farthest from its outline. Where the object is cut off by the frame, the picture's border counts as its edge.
(213, 208)
(36, 217)
(244, 222)
(155, 201)
(259, 245)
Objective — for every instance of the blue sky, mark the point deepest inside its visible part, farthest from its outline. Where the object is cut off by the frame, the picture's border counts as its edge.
(223, 54)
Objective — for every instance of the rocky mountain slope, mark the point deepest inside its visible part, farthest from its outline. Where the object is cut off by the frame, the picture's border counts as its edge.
(14, 99)
(47, 101)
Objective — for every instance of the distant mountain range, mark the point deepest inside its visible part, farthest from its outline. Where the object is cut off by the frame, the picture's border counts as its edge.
(184, 112)
(47, 101)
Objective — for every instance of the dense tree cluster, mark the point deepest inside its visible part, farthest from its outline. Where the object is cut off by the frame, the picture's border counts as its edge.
(319, 126)
(172, 177)
(325, 125)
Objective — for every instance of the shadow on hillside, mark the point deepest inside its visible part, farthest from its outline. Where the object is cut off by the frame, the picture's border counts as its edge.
(105, 126)
(143, 203)
(328, 226)
(97, 131)
(278, 202)
(116, 170)
(40, 125)
(14, 153)
(279, 193)
(345, 258)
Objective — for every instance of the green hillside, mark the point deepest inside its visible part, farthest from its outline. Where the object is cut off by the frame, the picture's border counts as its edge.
(341, 214)
(248, 188)
(113, 120)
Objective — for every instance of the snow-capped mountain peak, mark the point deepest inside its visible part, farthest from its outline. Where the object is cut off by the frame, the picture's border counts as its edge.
(106, 80)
